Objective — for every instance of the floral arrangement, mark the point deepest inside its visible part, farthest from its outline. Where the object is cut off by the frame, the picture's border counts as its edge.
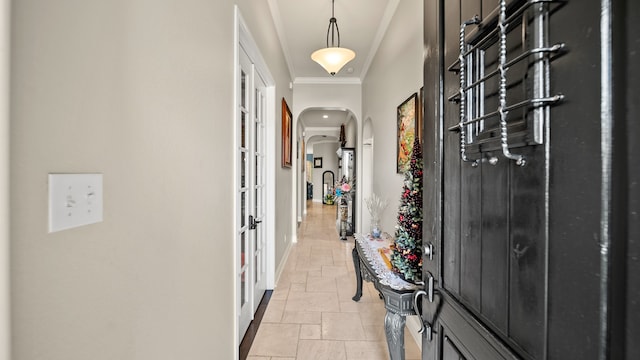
(343, 187)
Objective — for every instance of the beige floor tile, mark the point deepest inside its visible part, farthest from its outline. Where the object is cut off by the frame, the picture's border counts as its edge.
(374, 332)
(280, 293)
(349, 306)
(335, 271)
(321, 284)
(310, 332)
(342, 326)
(366, 350)
(309, 266)
(298, 277)
(311, 314)
(322, 251)
(317, 301)
(276, 340)
(301, 317)
(321, 350)
(372, 313)
(274, 311)
(303, 250)
(343, 253)
(347, 289)
(321, 261)
(297, 288)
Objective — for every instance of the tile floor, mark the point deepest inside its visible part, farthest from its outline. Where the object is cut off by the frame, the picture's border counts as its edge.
(311, 314)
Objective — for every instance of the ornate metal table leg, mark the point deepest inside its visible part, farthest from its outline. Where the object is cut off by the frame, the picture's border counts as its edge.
(356, 266)
(394, 329)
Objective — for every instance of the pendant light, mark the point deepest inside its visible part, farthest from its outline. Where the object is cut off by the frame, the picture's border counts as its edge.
(333, 58)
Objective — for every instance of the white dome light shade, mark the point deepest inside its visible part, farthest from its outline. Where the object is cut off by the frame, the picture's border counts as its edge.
(332, 59)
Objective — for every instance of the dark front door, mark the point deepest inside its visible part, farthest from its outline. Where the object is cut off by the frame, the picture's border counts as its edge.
(529, 179)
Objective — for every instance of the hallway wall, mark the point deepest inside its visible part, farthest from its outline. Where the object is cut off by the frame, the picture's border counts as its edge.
(143, 93)
(395, 74)
(327, 151)
(5, 333)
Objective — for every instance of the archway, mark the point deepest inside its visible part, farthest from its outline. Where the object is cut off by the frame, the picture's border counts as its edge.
(319, 129)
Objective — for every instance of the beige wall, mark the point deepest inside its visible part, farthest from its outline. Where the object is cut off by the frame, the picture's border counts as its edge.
(4, 181)
(141, 91)
(395, 74)
(327, 151)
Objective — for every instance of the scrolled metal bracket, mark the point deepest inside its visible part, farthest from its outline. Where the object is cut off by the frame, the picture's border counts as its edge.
(502, 108)
(463, 83)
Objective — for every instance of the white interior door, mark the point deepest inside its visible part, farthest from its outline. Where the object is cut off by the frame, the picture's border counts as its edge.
(257, 224)
(250, 192)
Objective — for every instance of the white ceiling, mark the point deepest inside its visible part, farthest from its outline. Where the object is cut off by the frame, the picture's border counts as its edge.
(322, 125)
(323, 118)
(302, 29)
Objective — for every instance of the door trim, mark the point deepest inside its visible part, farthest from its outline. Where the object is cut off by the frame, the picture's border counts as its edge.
(244, 39)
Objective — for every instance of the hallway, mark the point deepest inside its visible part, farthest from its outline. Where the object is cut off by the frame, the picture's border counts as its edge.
(311, 314)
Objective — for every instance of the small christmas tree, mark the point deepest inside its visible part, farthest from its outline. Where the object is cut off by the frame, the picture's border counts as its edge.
(406, 257)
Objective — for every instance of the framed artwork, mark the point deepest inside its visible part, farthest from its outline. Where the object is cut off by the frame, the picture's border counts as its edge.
(407, 119)
(286, 135)
(317, 162)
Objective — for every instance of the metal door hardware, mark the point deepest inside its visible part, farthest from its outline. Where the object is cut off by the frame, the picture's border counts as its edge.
(426, 326)
(428, 250)
(470, 67)
(253, 223)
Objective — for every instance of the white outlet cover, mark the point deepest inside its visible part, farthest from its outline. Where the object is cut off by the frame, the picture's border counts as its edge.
(74, 200)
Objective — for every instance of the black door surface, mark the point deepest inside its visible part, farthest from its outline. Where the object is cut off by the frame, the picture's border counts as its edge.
(531, 183)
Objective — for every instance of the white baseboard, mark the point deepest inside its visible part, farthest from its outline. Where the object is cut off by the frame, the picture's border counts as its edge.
(283, 262)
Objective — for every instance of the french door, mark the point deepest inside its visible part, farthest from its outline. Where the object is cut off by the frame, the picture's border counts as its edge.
(250, 192)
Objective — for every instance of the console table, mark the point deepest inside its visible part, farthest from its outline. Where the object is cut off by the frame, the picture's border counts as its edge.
(397, 293)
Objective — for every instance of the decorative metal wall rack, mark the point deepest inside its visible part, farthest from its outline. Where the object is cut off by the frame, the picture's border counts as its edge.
(522, 100)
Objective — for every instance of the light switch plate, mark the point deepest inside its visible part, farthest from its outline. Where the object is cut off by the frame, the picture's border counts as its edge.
(74, 200)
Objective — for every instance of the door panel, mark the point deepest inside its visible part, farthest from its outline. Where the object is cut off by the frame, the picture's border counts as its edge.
(518, 252)
(469, 9)
(527, 254)
(495, 243)
(450, 351)
(452, 207)
(488, 6)
(470, 240)
(459, 330)
(633, 215)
